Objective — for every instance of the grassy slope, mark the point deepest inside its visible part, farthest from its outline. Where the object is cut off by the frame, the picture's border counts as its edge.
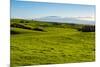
(56, 45)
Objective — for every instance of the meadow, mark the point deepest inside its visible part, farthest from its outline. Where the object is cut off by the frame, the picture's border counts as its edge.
(34, 43)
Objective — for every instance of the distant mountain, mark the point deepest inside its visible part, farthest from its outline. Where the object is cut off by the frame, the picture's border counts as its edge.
(51, 17)
(65, 20)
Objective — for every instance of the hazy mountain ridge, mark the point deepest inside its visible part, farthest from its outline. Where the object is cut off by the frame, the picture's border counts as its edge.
(65, 20)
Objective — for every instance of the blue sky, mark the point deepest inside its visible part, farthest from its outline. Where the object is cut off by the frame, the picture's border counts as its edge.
(29, 10)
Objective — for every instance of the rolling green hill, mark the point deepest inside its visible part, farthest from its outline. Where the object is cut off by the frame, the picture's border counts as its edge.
(49, 43)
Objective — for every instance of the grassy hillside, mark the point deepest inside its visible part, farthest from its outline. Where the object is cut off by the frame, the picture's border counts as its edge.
(57, 43)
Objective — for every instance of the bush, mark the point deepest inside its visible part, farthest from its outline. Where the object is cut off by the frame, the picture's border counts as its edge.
(45, 25)
(87, 28)
(56, 23)
(22, 21)
(26, 21)
(14, 32)
(19, 25)
(39, 29)
(72, 24)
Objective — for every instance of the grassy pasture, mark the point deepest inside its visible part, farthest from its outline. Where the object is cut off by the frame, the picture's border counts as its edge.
(59, 43)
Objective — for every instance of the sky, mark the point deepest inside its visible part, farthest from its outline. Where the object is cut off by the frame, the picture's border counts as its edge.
(31, 10)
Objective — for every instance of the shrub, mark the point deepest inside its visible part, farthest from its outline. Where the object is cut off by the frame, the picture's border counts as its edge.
(87, 28)
(45, 25)
(72, 24)
(39, 29)
(19, 25)
(22, 21)
(14, 32)
(26, 21)
(56, 23)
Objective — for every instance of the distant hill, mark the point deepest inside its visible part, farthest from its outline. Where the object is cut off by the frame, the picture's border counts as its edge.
(65, 20)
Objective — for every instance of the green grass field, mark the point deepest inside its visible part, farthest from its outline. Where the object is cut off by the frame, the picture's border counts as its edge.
(57, 44)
